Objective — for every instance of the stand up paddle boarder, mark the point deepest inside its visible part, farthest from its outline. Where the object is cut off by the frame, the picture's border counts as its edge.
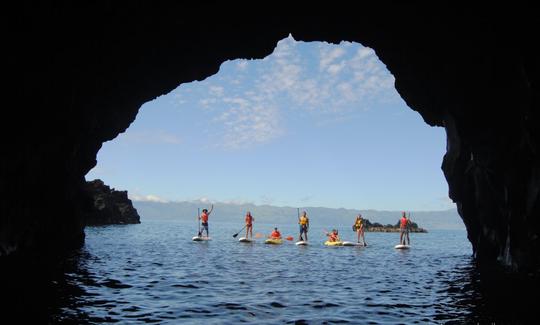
(359, 228)
(404, 230)
(303, 221)
(204, 219)
(249, 225)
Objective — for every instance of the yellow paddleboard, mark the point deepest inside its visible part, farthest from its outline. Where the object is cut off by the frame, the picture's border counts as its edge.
(333, 243)
(274, 241)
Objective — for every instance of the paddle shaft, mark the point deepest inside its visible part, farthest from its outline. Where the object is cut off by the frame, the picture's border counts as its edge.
(234, 236)
(199, 220)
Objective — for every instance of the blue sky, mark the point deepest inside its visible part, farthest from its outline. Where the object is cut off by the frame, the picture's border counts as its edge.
(313, 124)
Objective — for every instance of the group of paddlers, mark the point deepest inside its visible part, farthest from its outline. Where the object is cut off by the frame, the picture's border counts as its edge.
(303, 222)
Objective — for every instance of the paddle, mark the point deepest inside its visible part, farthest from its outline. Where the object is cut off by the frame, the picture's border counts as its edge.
(298, 214)
(199, 220)
(259, 235)
(409, 222)
(235, 235)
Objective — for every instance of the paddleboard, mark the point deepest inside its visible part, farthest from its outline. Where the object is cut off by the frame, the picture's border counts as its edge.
(200, 238)
(333, 243)
(274, 241)
(350, 243)
(301, 243)
(402, 246)
(245, 240)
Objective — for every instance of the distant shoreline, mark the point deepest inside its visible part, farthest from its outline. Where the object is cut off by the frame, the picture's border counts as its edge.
(393, 229)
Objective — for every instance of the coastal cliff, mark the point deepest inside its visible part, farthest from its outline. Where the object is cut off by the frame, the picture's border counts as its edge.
(108, 206)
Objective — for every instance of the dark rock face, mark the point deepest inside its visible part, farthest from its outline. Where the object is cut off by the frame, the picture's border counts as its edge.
(79, 73)
(108, 206)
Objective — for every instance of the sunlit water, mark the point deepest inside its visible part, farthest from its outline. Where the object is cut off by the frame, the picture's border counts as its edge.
(153, 272)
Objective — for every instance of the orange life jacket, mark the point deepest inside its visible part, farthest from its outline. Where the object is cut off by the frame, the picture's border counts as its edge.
(275, 234)
(333, 237)
(403, 223)
(204, 217)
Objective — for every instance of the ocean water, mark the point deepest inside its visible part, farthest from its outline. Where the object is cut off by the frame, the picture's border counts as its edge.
(154, 273)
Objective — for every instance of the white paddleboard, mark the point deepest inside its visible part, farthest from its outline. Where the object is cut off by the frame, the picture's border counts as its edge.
(350, 243)
(200, 238)
(301, 243)
(245, 240)
(400, 246)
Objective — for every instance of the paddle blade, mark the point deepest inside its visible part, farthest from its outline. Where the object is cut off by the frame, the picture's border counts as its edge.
(235, 235)
(289, 238)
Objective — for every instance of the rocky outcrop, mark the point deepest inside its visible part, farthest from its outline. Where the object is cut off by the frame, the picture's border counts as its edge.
(108, 206)
(377, 227)
(78, 73)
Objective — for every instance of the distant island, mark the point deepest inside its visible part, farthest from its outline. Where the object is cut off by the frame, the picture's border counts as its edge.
(377, 227)
(382, 221)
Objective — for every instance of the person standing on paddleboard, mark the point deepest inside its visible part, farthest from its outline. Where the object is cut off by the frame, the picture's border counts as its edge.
(404, 230)
(249, 224)
(359, 228)
(303, 221)
(204, 219)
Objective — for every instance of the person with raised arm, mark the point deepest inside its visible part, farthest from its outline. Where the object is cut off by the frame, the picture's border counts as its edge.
(204, 219)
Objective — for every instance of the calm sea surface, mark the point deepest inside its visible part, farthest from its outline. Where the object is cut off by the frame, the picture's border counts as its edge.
(154, 273)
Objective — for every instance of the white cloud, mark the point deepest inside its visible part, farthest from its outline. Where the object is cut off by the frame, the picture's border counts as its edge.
(248, 111)
(216, 91)
(334, 69)
(328, 56)
(242, 65)
(346, 91)
(247, 122)
(147, 198)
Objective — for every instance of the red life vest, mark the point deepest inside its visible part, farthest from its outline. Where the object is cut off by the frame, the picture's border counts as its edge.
(275, 234)
(204, 217)
(403, 222)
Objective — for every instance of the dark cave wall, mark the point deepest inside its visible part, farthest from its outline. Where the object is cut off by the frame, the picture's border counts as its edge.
(79, 74)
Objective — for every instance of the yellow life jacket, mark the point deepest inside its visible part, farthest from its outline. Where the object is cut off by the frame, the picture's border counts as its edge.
(303, 221)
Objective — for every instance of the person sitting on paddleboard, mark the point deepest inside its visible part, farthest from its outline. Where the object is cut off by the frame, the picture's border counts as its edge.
(304, 225)
(275, 234)
(204, 218)
(404, 230)
(333, 236)
(359, 226)
(249, 224)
